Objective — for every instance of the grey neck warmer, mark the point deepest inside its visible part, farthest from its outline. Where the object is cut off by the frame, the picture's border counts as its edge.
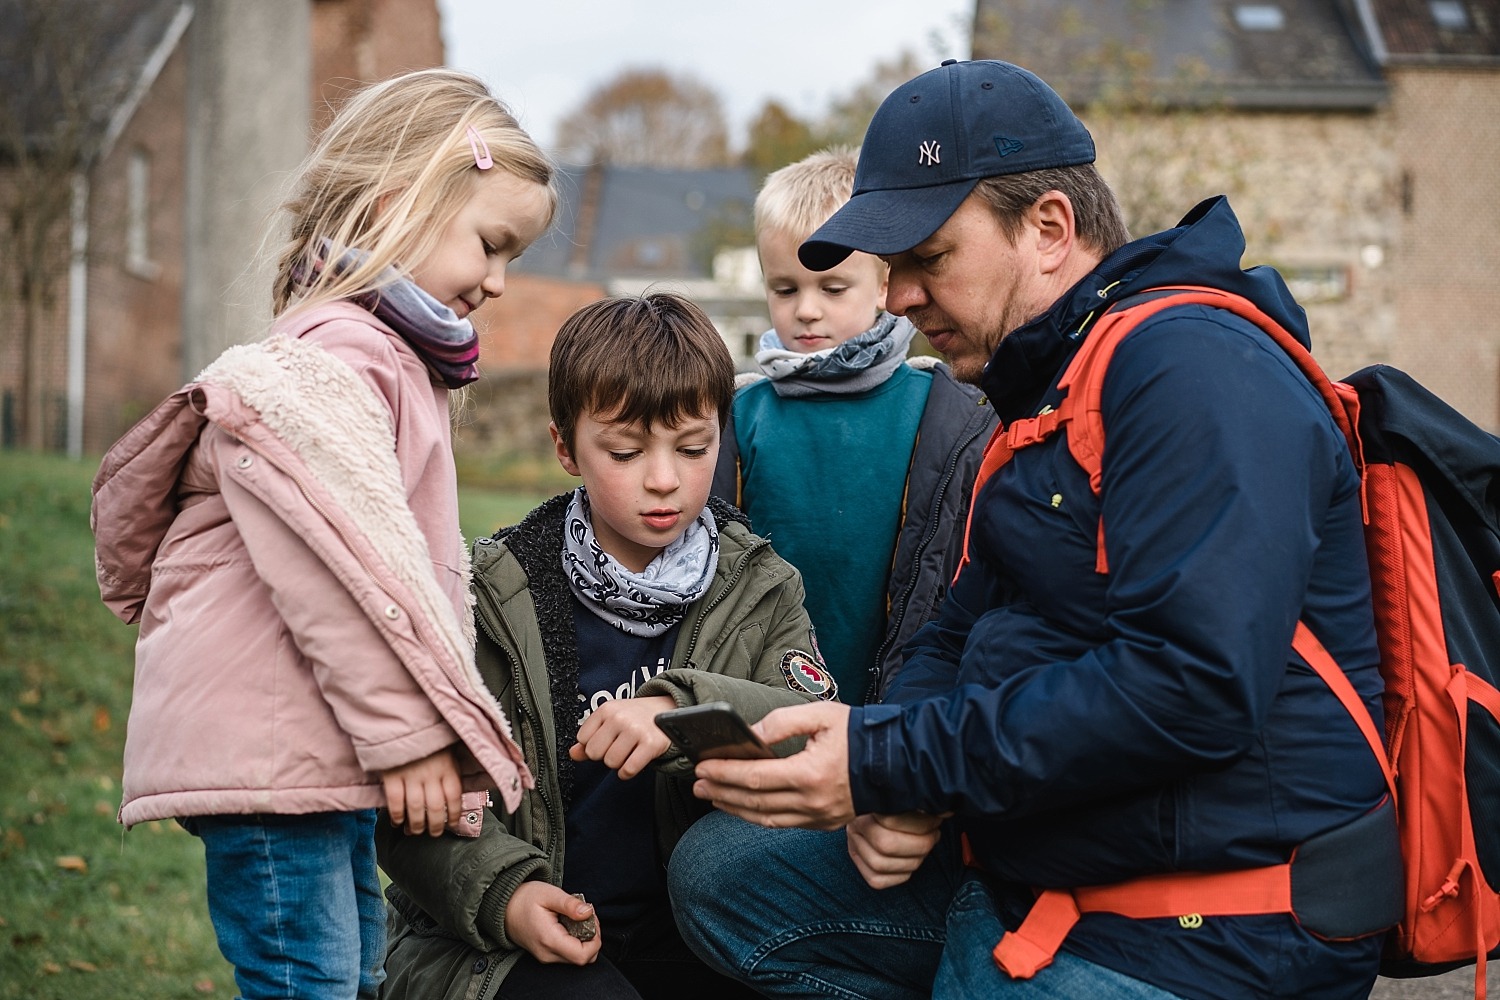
(859, 363)
(645, 603)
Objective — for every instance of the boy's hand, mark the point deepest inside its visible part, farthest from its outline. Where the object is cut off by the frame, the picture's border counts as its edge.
(624, 735)
(531, 922)
(426, 795)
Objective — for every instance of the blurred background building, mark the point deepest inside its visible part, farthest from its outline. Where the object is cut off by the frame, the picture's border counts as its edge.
(143, 144)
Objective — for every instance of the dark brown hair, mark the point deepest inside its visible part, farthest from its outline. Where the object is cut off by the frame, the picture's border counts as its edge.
(1096, 212)
(647, 359)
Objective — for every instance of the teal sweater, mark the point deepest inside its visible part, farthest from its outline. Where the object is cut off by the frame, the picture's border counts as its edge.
(824, 478)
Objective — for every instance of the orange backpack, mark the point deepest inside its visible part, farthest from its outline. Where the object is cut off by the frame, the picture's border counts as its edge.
(1431, 498)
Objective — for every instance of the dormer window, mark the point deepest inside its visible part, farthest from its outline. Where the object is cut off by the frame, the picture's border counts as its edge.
(1259, 17)
(1449, 15)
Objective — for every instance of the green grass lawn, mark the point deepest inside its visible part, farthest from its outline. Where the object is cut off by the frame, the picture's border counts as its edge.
(86, 909)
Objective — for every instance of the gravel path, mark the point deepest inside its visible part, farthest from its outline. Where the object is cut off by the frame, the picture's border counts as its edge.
(1455, 985)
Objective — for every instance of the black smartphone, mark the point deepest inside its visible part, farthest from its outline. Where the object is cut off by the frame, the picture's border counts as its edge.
(712, 729)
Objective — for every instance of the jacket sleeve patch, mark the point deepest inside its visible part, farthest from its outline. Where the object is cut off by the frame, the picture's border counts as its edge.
(805, 674)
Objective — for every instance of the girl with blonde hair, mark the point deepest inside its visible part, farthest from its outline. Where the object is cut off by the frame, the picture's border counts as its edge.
(285, 530)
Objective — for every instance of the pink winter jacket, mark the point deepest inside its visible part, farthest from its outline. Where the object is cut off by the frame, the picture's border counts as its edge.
(285, 530)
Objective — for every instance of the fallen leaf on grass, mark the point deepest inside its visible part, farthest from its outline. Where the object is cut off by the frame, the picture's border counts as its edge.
(204, 986)
(72, 863)
(79, 965)
(19, 719)
(50, 968)
(56, 733)
(101, 719)
(31, 696)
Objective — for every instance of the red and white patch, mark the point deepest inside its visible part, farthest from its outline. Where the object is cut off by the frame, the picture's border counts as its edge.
(806, 674)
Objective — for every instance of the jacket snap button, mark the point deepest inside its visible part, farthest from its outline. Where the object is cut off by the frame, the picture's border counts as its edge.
(471, 817)
(392, 612)
(480, 964)
(244, 461)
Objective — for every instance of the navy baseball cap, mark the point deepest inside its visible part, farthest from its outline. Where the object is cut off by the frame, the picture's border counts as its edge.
(932, 140)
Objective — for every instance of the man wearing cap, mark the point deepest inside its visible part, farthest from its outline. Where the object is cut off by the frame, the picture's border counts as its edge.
(1108, 692)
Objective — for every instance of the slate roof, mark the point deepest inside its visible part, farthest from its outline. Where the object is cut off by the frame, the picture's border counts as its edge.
(1263, 54)
(1448, 31)
(639, 222)
(106, 45)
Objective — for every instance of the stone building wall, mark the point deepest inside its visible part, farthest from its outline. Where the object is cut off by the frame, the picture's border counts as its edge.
(1316, 193)
(1448, 150)
(1386, 223)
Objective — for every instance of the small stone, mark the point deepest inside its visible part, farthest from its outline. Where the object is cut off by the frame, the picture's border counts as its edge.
(583, 930)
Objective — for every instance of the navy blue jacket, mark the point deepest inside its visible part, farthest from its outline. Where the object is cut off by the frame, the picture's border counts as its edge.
(1090, 728)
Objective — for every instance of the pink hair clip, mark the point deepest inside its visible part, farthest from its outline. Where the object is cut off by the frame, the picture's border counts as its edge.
(482, 160)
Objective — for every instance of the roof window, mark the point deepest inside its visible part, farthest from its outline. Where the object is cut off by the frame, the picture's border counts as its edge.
(1449, 15)
(1259, 17)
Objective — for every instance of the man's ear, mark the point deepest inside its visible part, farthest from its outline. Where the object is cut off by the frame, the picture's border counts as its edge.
(564, 454)
(1052, 215)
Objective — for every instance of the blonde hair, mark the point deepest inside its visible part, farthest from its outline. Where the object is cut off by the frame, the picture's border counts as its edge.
(799, 198)
(389, 173)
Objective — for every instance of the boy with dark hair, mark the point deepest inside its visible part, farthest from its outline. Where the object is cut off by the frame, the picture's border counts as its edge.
(632, 595)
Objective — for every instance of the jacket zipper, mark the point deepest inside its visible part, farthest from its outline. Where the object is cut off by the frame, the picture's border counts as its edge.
(540, 787)
(358, 555)
(718, 598)
(872, 690)
(525, 719)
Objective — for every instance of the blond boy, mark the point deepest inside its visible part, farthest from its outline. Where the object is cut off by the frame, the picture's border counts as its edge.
(855, 462)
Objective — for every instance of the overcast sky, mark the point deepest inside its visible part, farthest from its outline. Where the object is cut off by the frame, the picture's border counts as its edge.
(544, 56)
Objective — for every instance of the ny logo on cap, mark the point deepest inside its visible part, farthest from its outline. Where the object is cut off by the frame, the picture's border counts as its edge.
(927, 155)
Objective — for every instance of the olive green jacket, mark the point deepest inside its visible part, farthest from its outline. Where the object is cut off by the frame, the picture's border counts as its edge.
(448, 896)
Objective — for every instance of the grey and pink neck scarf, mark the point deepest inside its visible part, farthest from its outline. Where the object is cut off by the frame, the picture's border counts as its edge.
(448, 345)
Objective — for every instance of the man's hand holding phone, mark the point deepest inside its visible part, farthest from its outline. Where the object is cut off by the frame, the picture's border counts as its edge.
(808, 789)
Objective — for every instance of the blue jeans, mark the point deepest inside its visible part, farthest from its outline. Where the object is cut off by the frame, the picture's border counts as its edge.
(968, 970)
(295, 902)
(787, 912)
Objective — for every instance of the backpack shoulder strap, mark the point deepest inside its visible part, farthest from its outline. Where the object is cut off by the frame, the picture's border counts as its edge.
(1084, 380)
(1080, 410)
(1087, 382)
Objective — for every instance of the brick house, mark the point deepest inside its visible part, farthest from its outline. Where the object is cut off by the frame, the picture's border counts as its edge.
(210, 103)
(1357, 140)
